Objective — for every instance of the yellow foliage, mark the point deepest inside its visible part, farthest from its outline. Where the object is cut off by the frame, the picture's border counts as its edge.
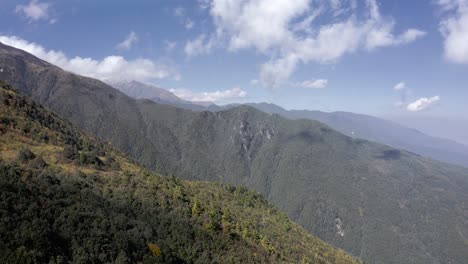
(155, 249)
(361, 211)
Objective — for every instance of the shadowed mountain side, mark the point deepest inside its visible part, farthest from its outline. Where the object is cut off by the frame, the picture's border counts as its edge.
(381, 204)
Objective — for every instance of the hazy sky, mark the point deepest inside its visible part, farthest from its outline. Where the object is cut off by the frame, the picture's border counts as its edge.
(386, 58)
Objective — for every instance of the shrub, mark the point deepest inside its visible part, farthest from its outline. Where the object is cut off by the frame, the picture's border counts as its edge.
(38, 163)
(90, 158)
(70, 153)
(25, 154)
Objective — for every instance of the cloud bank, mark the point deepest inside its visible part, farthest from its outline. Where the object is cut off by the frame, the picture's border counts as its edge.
(288, 32)
(110, 68)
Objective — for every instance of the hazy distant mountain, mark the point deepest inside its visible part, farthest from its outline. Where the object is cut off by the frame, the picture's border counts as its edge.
(140, 90)
(382, 131)
(382, 204)
(454, 127)
(351, 124)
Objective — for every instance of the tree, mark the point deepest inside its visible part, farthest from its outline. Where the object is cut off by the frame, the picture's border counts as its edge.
(226, 220)
(215, 219)
(196, 210)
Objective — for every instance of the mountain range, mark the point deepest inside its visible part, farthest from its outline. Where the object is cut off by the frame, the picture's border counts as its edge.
(68, 198)
(380, 203)
(354, 125)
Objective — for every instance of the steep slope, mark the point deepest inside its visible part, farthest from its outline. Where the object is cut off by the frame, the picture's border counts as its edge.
(382, 204)
(382, 131)
(351, 124)
(68, 198)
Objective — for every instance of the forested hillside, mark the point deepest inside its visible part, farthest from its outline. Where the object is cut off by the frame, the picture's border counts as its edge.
(382, 131)
(382, 204)
(67, 198)
(354, 125)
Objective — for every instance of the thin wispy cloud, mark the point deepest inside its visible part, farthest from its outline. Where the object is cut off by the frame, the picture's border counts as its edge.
(128, 42)
(402, 89)
(422, 103)
(169, 45)
(253, 82)
(180, 14)
(201, 45)
(315, 84)
(179, 11)
(399, 86)
(216, 96)
(189, 24)
(35, 11)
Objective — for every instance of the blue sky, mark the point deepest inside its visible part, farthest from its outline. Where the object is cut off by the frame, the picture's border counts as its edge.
(305, 54)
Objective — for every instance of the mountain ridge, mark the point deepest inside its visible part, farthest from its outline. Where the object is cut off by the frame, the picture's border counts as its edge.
(354, 125)
(382, 204)
(67, 197)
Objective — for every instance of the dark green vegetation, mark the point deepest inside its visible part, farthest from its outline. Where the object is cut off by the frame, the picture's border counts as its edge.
(379, 203)
(353, 125)
(64, 197)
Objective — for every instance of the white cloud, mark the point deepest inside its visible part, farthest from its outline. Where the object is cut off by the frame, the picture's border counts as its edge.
(36, 10)
(454, 28)
(216, 96)
(399, 86)
(410, 35)
(287, 31)
(315, 84)
(111, 67)
(422, 103)
(189, 24)
(128, 42)
(201, 45)
(276, 72)
(169, 45)
(402, 89)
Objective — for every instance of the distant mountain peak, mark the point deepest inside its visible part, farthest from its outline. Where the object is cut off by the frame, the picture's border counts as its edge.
(139, 90)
